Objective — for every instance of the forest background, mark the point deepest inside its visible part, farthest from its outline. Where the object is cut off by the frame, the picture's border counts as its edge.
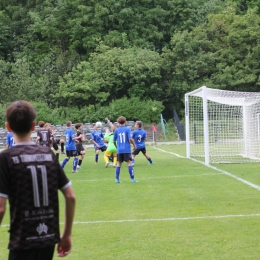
(84, 60)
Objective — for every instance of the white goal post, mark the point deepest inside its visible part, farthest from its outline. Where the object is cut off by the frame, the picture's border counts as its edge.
(222, 126)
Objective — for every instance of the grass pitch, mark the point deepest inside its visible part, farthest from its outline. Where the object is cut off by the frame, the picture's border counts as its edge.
(179, 209)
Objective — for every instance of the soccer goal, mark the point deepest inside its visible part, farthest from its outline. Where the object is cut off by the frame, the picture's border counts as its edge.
(222, 126)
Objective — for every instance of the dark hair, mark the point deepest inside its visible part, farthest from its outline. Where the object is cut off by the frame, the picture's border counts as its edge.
(78, 125)
(139, 123)
(20, 116)
(121, 120)
(41, 123)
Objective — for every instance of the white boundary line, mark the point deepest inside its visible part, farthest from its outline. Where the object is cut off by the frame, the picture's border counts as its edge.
(216, 169)
(159, 219)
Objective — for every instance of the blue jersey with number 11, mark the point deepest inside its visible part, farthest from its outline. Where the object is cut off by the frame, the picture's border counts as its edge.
(122, 136)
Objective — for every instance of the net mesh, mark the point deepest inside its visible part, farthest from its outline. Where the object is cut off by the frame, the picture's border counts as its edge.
(233, 125)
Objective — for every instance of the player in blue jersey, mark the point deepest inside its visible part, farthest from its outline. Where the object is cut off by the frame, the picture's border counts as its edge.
(139, 136)
(9, 140)
(97, 139)
(71, 150)
(123, 141)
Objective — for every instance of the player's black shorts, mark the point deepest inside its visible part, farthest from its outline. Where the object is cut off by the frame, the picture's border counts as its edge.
(71, 153)
(102, 149)
(80, 148)
(44, 253)
(55, 146)
(137, 151)
(124, 157)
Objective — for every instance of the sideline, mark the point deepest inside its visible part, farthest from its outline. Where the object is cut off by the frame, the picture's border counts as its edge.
(216, 169)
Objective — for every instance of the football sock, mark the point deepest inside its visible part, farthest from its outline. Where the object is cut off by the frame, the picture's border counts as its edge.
(117, 172)
(64, 162)
(106, 159)
(80, 162)
(131, 172)
(75, 163)
(62, 147)
(150, 160)
(96, 158)
(57, 156)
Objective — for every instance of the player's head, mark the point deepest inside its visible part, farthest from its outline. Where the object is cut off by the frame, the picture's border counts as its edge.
(94, 126)
(78, 126)
(138, 124)
(68, 123)
(41, 123)
(20, 116)
(47, 126)
(121, 120)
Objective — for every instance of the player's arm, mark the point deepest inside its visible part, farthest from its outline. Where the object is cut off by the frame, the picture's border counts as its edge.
(2, 208)
(64, 246)
(131, 140)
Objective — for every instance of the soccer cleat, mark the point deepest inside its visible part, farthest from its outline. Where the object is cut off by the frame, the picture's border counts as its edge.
(62, 153)
(152, 163)
(96, 162)
(74, 171)
(106, 165)
(134, 180)
(117, 181)
(114, 165)
(78, 167)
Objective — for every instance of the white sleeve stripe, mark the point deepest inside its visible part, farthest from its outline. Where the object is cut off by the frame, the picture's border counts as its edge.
(66, 186)
(4, 195)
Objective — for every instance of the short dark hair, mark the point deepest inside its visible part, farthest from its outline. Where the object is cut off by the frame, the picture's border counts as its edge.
(139, 123)
(20, 116)
(121, 120)
(78, 125)
(41, 123)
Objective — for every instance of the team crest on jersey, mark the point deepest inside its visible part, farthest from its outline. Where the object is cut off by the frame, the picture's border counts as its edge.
(42, 228)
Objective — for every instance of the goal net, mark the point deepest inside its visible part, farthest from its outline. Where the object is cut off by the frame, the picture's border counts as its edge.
(223, 126)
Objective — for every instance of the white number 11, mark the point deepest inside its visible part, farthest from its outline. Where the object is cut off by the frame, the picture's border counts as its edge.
(36, 195)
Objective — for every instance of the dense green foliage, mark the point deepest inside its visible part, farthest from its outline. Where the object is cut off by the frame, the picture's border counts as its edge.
(74, 59)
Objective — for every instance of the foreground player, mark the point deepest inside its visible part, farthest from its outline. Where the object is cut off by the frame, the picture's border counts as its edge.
(123, 141)
(139, 136)
(30, 177)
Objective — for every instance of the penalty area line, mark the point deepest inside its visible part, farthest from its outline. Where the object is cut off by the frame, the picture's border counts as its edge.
(216, 169)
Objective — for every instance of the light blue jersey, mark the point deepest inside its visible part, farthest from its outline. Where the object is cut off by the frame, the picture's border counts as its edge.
(122, 135)
(10, 140)
(70, 144)
(139, 136)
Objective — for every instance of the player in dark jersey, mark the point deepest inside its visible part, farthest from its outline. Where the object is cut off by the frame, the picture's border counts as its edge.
(123, 141)
(30, 177)
(43, 135)
(80, 149)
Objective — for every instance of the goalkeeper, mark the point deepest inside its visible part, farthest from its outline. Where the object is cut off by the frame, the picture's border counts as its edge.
(111, 149)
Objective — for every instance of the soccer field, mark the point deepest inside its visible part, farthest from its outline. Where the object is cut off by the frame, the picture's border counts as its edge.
(179, 209)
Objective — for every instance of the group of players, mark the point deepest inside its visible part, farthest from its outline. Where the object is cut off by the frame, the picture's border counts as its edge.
(74, 143)
(31, 175)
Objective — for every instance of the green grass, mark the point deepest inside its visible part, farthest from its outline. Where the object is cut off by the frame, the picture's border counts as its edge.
(180, 209)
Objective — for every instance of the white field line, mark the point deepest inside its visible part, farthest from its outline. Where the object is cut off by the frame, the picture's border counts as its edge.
(158, 219)
(155, 177)
(216, 169)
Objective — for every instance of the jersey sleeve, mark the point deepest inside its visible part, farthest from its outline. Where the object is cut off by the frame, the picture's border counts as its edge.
(4, 177)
